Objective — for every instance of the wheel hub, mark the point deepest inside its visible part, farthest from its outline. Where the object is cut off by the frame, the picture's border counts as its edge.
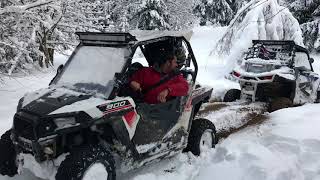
(206, 141)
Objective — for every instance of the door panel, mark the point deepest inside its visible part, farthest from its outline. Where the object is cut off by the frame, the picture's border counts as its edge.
(156, 121)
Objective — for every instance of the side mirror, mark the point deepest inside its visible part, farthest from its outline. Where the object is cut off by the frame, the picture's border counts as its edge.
(311, 60)
(59, 69)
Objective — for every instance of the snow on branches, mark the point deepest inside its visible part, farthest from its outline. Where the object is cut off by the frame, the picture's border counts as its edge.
(24, 30)
(31, 30)
(215, 12)
(259, 19)
(23, 8)
(153, 15)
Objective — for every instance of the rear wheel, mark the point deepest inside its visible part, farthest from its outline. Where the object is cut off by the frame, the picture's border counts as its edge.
(86, 163)
(280, 103)
(8, 155)
(202, 136)
(318, 97)
(232, 95)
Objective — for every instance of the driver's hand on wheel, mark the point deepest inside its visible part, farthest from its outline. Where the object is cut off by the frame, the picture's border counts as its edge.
(135, 86)
(162, 97)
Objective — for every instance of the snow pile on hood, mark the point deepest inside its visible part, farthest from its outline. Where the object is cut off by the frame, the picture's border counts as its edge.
(259, 19)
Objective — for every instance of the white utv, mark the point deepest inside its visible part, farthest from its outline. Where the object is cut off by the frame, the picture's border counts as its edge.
(278, 72)
(87, 122)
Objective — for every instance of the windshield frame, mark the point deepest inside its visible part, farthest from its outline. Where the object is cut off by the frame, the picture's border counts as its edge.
(127, 57)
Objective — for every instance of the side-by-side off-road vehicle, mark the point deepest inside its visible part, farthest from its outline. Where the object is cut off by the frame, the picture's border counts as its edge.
(278, 72)
(88, 125)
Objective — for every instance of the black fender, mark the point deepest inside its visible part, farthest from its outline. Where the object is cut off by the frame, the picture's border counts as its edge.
(199, 96)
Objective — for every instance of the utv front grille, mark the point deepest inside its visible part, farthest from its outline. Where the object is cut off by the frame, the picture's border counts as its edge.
(23, 128)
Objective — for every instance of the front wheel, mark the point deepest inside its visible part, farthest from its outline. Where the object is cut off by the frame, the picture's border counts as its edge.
(202, 136)
(87, 162)
(7, 156)
(232, 95)
(318, 97)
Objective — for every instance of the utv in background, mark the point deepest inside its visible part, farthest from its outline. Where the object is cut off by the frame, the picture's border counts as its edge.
(89, 116)
(278, 72)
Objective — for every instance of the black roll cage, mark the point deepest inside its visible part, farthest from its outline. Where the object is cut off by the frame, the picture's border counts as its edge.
(121, 40)
(293, 48)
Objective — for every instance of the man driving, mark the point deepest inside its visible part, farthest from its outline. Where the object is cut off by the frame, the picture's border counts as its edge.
(147, 79)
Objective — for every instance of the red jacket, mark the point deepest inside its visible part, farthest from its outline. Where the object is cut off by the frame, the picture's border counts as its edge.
(148, 76)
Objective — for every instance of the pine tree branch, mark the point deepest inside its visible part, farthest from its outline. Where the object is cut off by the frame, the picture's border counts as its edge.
(15, 2)
(21, 9)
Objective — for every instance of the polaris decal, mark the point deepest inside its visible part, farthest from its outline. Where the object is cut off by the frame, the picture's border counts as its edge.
(114, 106)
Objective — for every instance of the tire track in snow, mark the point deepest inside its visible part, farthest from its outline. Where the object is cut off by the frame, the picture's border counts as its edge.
(233, 117)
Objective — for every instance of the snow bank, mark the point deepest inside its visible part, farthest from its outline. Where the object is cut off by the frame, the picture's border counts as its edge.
(259, 19)
(285, 147)
(13, 88)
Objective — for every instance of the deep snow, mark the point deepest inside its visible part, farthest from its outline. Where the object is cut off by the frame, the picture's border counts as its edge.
(285, 147)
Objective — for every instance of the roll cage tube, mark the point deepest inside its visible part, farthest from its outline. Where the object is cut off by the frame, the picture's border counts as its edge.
(139, 44)
(132, 47)
(294, 48)
(118, 79)
(303, 51)
(193, 59)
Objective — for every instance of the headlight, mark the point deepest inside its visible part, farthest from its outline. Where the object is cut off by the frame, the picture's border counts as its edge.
(46, 126)
(65, 122)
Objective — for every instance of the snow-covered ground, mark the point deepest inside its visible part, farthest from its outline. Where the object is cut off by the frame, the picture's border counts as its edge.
(286, 146)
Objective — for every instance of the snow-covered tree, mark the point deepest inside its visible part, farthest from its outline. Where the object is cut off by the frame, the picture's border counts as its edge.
(174, 14)
(153, 14)
(25, 28)
(311, 34)
(236, 5)
(303, 10)
(123, 13)
(307, 12)
(31, 30)
(124, 26)
(181, 15)
(260, 20)
(213, 11)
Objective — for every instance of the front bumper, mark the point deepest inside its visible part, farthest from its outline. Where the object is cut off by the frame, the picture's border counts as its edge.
(262, 90)
(252, 87)
(42, 149)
